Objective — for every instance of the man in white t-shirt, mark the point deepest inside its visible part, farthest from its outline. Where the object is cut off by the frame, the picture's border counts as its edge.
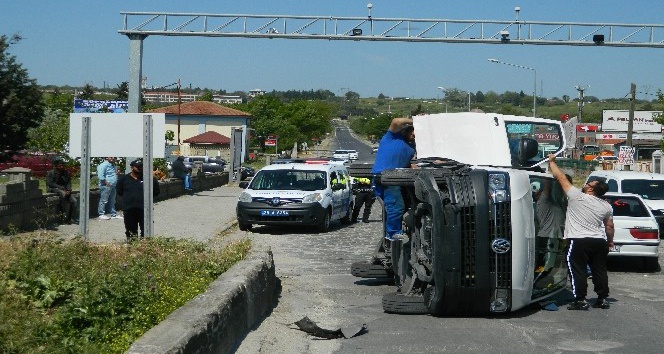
(589, 231)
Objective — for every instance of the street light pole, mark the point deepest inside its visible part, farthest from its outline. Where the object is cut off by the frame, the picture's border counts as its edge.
(534, 85)
(442, 96)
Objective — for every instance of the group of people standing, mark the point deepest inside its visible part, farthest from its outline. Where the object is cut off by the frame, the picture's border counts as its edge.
(112, 182)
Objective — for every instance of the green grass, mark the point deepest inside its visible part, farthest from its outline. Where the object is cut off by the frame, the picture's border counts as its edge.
(77, 297)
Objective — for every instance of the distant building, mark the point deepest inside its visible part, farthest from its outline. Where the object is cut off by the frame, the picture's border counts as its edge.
(256, 92)
(168, 97)
(226, 99)
(198, 118)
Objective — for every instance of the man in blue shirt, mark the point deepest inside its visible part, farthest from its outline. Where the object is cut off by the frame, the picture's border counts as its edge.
(395, 151)
(108, 180)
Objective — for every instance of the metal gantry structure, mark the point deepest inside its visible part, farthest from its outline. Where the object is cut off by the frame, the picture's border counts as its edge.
(139, 25)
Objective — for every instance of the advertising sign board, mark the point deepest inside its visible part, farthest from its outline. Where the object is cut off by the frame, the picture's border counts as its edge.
(116, 134)
(617, 121)
(626, 155)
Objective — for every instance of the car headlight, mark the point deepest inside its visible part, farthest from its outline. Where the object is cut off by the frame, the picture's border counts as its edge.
(499, 187)
(245, 197)
(311, 198)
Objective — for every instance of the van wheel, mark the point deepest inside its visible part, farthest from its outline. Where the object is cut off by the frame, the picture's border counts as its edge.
(325, 223)
(650, 264)
(404, 304)
(432, 215)
(244, 226)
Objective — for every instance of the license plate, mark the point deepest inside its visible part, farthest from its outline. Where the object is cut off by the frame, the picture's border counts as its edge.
(615, 248)
(274, 212)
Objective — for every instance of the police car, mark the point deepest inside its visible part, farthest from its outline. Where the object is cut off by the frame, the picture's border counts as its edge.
(296, 194)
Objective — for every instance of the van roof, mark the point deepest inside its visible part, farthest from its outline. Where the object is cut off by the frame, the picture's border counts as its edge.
(303, 166)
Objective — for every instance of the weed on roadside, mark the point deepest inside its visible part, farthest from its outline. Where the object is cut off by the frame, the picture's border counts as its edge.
(76, 297)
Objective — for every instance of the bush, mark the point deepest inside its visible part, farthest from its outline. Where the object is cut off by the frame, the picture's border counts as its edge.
(76, 297)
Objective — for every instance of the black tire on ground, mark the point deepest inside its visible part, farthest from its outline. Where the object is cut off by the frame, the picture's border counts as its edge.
(405, 305)
(651, 264)
(369, 270)
(244, 227)
(325, 223)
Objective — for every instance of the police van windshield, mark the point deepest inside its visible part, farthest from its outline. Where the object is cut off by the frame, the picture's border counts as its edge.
(305, 180)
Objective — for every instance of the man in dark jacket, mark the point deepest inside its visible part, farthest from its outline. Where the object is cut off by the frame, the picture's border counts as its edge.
(130, 188)
(180, 170)
(58, 181)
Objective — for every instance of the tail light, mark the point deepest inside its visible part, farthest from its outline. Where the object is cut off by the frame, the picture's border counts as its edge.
(644, 234)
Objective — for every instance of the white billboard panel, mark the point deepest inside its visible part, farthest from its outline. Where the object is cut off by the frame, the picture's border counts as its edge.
(617, 120)
(116, 134)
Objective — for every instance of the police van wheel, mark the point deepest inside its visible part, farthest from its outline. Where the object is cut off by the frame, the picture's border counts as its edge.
(244, 226)
(404, 304)
(324, 225)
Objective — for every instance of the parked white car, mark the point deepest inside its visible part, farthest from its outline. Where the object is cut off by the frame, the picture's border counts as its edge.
(636, 230)
(352, 155)
(650, 186)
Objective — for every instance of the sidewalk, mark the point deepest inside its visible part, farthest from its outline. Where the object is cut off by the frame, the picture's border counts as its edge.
(199, 217)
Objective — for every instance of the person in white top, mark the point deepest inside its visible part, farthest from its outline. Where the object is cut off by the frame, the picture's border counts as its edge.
(589, 230)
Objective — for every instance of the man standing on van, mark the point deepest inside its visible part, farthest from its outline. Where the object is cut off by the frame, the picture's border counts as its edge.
(589, 231)
(395, 151)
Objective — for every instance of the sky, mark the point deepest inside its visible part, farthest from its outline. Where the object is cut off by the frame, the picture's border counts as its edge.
(75, 42)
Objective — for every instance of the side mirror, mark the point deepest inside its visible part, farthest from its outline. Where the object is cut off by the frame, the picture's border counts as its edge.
(527, 150)
(243, 185)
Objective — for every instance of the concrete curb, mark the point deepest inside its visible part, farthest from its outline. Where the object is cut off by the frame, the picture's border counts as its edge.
(217, 320)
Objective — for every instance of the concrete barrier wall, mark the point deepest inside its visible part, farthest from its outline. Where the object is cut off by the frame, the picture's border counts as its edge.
(217, 320)
(24, 207)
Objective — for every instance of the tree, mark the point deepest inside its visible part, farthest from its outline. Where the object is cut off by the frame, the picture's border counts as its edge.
(88, 92)
(205, 96)
(21, 105)
(122, 92)
(52, 135)
(660, 117)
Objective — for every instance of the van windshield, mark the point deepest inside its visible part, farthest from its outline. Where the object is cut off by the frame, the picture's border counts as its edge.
(646, 188)
(304, 180)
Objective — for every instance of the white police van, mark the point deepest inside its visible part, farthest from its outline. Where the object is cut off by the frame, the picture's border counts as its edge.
(296, 194)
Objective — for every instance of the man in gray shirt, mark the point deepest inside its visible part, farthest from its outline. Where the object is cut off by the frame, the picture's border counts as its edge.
(589, 231)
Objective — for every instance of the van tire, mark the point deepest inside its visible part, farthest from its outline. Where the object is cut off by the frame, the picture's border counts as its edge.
(370, 270)
(324, 225)
(404, 304)
(358, 169)
(244, 226)
(651, 264)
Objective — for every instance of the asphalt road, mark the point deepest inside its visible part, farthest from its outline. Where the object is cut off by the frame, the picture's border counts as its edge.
(314, 271)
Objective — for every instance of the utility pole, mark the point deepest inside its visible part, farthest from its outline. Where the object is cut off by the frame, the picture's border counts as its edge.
(581, 89)
(630, 123)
